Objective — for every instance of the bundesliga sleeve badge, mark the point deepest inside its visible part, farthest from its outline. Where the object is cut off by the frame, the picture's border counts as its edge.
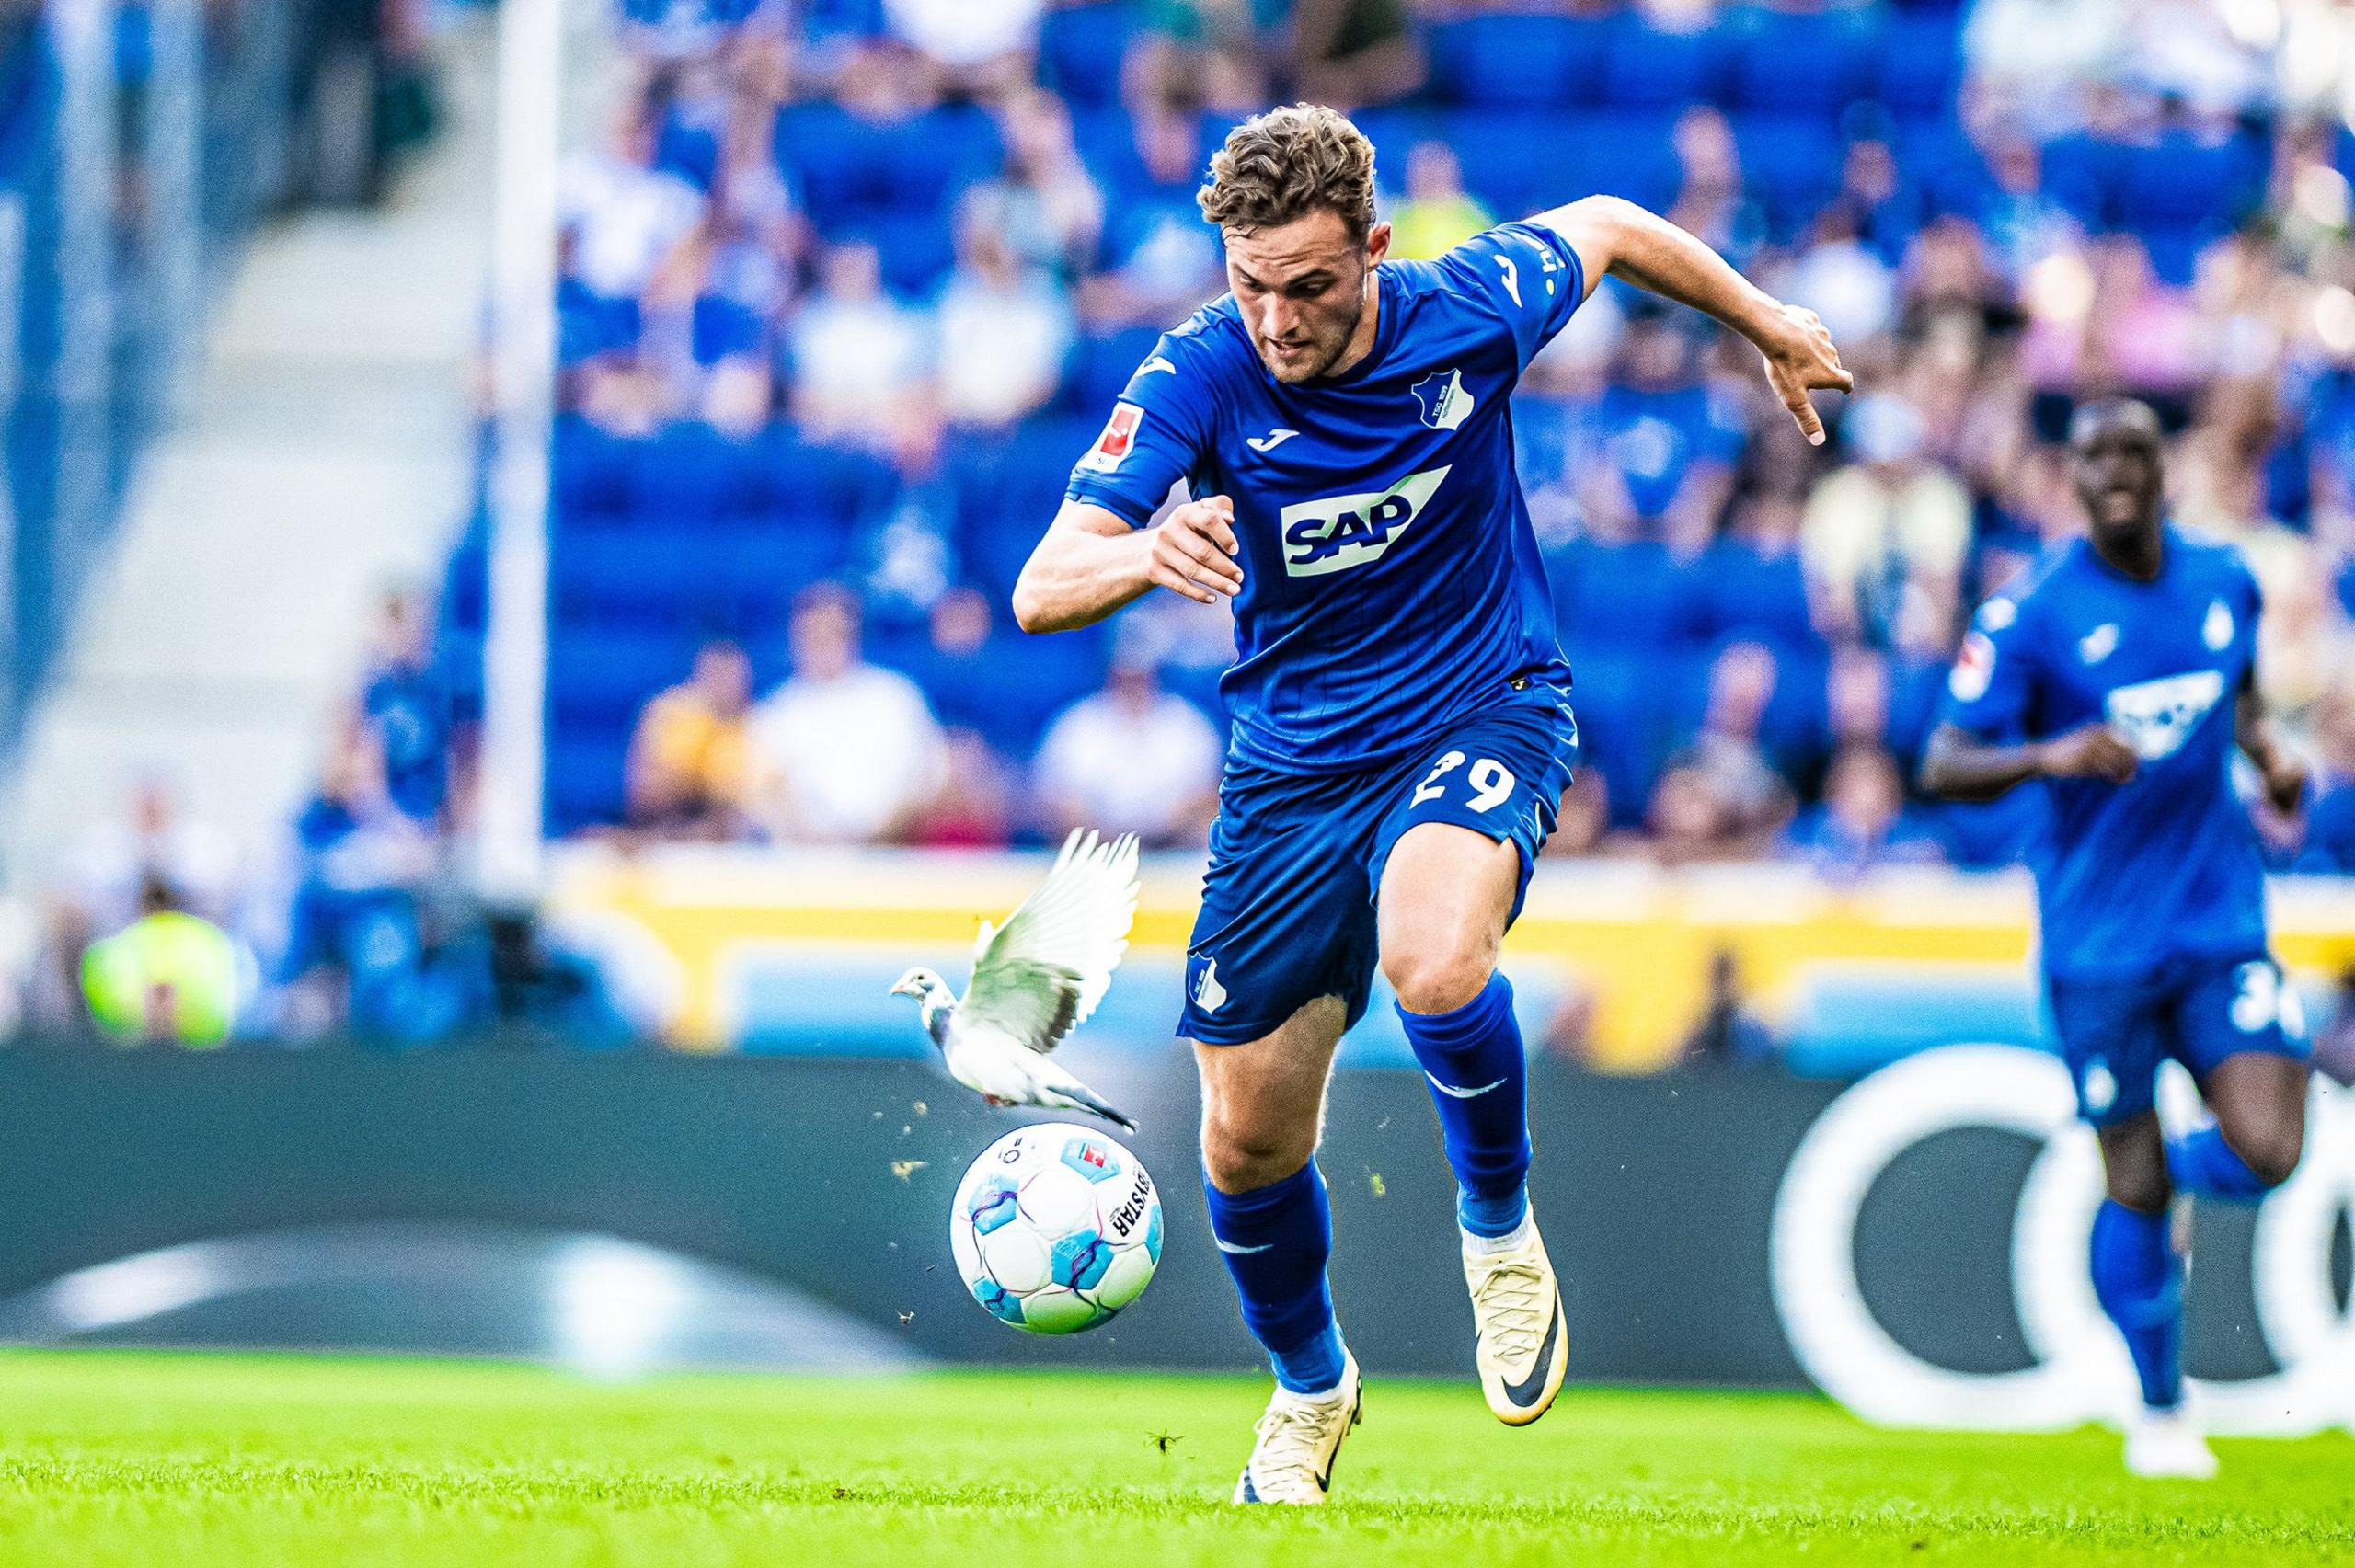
(1119, 438)
(1974, 669)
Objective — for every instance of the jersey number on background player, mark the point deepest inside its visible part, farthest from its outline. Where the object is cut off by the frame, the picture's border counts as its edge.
(1490, 779)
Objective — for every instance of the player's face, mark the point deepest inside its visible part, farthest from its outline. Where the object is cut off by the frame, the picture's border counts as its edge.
(2116, 473)
(1302, 289)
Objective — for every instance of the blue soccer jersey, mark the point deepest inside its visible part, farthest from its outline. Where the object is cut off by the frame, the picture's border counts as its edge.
(2130, 876)
(1391, 581)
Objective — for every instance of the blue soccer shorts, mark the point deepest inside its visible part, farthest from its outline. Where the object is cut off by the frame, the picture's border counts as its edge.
(1296, 861)
(2197, 1007)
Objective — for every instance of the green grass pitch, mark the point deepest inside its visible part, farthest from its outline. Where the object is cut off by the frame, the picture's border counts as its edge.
(117, 1458)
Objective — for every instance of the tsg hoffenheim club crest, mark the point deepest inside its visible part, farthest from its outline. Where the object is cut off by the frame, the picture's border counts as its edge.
(1445, 403)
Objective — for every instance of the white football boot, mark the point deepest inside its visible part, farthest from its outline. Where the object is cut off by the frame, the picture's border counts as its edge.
(1299, 1439)
(1517, 1306)
(2167, 1445)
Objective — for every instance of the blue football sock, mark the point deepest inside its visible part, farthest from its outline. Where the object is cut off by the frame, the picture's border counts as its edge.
(1275, 1239)
(1479, 1079)
(2202, 1164)
(2139, 1284)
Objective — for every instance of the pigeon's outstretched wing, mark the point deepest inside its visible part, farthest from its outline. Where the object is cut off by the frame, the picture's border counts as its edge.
(1044, 971)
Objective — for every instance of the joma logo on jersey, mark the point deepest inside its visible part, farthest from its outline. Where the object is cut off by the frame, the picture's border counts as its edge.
(2158, 717)
(1340, 532)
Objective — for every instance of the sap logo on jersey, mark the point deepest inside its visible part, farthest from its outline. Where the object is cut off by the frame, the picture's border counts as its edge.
(2158, 717)
(1339, 531)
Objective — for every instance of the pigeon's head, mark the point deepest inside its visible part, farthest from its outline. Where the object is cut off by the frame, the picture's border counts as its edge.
(922, 984)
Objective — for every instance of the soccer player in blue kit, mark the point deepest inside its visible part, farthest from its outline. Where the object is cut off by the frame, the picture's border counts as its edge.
(2121, 678)
(1401, 724)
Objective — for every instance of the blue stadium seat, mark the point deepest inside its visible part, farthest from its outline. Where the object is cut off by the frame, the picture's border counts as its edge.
(844, 488)
(1792, 63)
(1791, 166)
(1644, 68)
(1618, 153)
(1624, 596)
(1393, 128)
(1013, 686)
(2181, 180)
(1009, 490)
(1744, 593)
(592, 470)
(1101, 364)
(599, 678)
(1945, 164)
(848, 170)
(1106, 143)
(2080, 172)
(1512, 58)
(769, 562)
(1624, 733)
(1921, 64)
(583, 787)
(693, 475)
(644, 577)
(1082, 48)
(1508, 156)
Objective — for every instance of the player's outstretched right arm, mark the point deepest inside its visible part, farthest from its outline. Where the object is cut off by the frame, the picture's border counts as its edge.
(1091, 563)
(1957, 766)
(1616, 236)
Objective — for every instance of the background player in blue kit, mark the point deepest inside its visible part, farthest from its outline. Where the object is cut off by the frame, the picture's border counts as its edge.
(2122, 679)
(1399, 703)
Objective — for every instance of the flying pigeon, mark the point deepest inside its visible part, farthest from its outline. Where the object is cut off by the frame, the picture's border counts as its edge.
(1035, 978)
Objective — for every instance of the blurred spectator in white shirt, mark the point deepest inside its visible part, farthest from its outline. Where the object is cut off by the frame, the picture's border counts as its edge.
(1004, 332)
(1885, 526)
(858, 353)
(847, 752)
(2037, 54)
(154, 843)
(970, 37)
(621, 216)
(1841, 280)
(1131, 758)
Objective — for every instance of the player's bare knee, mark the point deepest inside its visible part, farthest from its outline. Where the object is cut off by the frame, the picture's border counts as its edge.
(1241, 1153)
(1438, 981)
(2272, 1152)
(2144, 1190)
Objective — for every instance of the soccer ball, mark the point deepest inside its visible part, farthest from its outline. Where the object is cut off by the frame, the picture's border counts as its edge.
(1055, 1227)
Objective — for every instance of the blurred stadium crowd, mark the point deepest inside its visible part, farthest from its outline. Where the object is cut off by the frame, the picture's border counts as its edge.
(852, 283)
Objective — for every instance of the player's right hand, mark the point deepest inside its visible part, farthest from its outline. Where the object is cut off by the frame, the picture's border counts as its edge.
(2097, 751)
(1194, 551)
(1800, 359)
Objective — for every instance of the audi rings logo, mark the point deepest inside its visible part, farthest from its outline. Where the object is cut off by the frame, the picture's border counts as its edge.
(2081, 1372)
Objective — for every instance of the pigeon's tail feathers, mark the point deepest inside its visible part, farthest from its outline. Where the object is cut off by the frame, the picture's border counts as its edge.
(1086, 1099)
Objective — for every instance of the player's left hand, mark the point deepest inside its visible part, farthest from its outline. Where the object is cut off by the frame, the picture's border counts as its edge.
(1800, 359)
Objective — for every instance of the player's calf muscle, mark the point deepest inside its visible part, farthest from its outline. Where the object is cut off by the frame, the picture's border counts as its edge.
(2134, 1165)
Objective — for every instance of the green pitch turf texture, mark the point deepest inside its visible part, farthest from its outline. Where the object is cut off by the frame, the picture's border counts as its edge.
(148, 1459)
